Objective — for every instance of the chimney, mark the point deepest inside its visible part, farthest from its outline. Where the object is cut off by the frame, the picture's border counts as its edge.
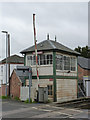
(55, 38)
(48, 36)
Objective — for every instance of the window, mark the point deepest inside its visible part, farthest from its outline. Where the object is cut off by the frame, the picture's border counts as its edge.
(2, 69)
(42, 59)
(65, 63)
(49, 59)
(73, 64)
(29, 60)
(59, 62)
(49, 89)
(45, 59)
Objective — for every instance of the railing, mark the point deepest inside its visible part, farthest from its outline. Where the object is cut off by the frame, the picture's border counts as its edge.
(83, 91)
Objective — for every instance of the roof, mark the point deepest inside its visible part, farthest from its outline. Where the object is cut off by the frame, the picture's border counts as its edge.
(84, 62)
(22, 72)
(14, 59)
(49, 45)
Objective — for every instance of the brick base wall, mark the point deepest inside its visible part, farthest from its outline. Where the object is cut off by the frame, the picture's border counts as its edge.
(15, 86)
(82, 72)
(3, 90)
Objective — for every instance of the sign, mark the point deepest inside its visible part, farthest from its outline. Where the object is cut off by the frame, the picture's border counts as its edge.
(51, 79)
(38, 52)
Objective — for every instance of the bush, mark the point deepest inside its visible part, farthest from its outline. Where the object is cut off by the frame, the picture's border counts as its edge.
(49, 101)
(4, 97)
(27, 101)
(16, 98)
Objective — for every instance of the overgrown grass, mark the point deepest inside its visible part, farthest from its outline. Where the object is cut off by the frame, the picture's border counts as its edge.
(27, 101)
(16, 98)
(49, 101)
(5, 97)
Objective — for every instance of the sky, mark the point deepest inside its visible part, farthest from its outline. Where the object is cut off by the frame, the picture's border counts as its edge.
(68, 21)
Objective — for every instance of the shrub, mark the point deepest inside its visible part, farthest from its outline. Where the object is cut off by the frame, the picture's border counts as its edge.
(49, 101)
(16, 98)
(27, 101)
(4, 97)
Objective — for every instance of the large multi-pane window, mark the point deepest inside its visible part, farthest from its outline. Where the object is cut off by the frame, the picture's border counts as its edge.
(42, 59)
(65, 63)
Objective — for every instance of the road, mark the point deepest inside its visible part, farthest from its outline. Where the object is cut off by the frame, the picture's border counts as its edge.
(16, 109)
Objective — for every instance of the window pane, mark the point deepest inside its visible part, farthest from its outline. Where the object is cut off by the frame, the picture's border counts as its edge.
(47, 59)
(66, 63)
(34, 60)
(49, 89)
(73, 64)
(59, 62)
(29, 60)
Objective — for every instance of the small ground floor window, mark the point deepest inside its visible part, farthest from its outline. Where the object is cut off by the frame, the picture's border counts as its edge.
(49, 89)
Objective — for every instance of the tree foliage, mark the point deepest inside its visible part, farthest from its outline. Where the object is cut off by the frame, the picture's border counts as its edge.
(84, 51)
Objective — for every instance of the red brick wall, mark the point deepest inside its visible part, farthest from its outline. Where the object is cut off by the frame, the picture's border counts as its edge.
(3, 90)
(0, 92)
(15, 86)
(82, 72)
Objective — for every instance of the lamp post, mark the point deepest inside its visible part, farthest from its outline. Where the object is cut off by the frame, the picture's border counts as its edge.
(6, 56)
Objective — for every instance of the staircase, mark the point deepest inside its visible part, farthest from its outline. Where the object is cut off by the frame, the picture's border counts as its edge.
(81, 90)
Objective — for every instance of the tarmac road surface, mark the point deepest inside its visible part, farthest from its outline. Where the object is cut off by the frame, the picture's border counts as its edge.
(16, 109)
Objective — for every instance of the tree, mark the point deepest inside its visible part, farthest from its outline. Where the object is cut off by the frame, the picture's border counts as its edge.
(84, 51)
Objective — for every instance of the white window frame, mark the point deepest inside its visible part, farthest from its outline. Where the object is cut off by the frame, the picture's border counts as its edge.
(63, 63)
(39, 60)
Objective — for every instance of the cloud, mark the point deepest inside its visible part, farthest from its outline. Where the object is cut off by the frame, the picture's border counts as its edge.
(68, 21)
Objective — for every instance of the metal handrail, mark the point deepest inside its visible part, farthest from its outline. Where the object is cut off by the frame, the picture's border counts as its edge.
(82, 91)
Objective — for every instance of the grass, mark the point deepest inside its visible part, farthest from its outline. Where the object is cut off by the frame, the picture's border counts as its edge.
(16, 98)
(4, 97)
(27, 101)
(49, 101)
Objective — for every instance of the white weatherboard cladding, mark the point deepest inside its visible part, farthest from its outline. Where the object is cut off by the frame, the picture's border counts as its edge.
(64, 73)
(66, 89)
(24, 93)
(88, 88)
(44, 83)
(43, 70)
(86, 81)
